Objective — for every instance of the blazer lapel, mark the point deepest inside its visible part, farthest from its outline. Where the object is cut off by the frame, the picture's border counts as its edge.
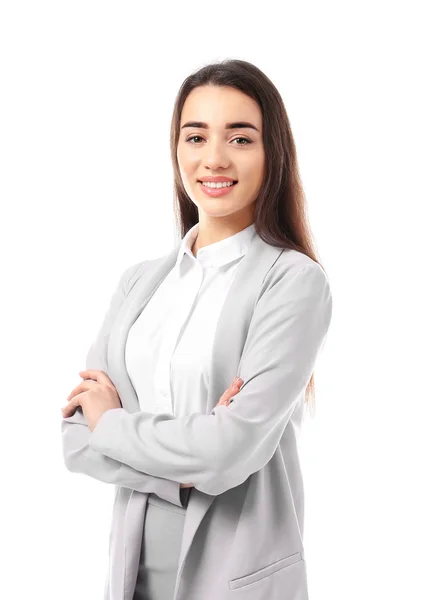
(153, 275)
(230, 336)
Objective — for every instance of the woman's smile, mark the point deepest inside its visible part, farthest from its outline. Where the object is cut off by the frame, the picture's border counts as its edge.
(217, 191)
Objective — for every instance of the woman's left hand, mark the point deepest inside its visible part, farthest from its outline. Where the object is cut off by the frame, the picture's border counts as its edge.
(96, 394)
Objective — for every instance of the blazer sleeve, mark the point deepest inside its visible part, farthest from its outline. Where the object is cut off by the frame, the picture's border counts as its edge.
(79, 456)
(219, 451)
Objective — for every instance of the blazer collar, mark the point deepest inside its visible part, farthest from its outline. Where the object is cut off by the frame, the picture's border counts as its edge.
(219, 253)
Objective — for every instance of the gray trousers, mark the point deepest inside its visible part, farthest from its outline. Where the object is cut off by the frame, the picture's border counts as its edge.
(160, 550)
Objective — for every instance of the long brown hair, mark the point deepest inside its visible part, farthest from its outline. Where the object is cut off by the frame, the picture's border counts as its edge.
(280, 208)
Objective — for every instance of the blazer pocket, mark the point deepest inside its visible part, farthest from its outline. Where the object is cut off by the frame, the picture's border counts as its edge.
(265, 571)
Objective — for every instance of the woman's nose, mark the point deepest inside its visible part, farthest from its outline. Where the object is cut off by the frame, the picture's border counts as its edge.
(215, 157)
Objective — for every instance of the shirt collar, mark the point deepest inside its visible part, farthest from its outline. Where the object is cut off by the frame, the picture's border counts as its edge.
(219, 253)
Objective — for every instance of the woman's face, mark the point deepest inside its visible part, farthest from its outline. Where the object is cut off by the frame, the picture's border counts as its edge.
(211, 148)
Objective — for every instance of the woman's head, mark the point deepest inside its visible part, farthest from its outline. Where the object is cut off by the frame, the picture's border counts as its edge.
(269, 190)
(213, 141)
(223, 92)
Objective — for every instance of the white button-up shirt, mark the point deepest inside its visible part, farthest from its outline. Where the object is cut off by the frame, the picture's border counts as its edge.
(172, 339)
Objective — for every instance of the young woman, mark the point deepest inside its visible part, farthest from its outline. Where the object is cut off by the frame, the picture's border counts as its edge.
(209, 497)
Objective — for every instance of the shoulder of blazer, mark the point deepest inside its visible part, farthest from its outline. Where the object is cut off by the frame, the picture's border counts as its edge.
(135, 271)
(288, 264)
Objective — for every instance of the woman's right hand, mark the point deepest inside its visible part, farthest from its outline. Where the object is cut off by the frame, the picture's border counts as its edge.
(224, 399)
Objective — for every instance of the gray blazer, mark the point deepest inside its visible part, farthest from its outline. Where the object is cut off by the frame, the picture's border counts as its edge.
(243, 532)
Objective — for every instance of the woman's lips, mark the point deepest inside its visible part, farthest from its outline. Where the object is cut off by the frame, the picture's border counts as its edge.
(216, 192)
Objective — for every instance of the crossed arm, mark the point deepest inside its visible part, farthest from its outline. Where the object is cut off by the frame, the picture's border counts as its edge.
(219, 451)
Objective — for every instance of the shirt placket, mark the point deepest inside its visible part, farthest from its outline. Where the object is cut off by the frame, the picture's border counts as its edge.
(179, 312)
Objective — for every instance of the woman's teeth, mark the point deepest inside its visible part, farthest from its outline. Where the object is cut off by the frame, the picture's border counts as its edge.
(217, 185)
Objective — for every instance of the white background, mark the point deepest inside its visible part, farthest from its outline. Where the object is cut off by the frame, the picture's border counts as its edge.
(87, 91)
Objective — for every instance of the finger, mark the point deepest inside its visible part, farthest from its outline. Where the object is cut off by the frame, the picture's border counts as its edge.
(71, 407)
(229, 392)
(235, 387)
(99, 376)
(233, 390)
(227, 395)
(228, 401)
(81, 387)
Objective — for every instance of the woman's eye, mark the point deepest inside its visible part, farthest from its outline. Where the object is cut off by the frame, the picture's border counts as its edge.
(192, 137)
(244, 139)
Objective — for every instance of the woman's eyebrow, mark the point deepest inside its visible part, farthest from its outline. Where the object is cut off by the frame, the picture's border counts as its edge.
(236, 125)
